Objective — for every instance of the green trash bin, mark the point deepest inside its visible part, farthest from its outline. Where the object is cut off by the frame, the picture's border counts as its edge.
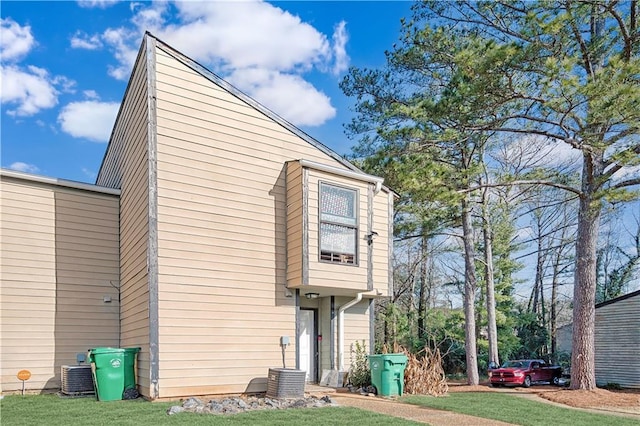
(387, 373)
(114, 372)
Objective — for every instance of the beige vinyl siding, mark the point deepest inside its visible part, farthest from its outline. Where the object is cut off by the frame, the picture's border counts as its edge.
(332, 275)
(126, 166)
(59, 259)
(380, 244)
(221, 236)
(356, 327)
(617, 343)
(295, 214)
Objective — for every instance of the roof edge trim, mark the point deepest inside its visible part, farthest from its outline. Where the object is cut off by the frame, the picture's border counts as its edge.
(358, 175)
(59, 182)
(618, 299)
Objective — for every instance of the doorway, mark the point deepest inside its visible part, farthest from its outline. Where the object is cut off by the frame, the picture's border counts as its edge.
(308, 337)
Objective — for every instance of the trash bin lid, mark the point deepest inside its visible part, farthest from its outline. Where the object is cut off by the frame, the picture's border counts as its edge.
(105, 350)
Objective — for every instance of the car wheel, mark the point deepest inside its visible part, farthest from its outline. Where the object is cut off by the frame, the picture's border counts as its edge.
(527, 382)
(556, 381)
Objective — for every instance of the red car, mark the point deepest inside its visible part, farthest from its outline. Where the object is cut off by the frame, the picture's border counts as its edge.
(524, 372)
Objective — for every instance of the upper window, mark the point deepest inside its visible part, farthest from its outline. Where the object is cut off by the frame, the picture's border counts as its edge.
(338, 224)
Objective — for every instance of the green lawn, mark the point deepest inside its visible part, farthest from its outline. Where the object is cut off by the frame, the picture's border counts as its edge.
(51, 410)
(516, 410)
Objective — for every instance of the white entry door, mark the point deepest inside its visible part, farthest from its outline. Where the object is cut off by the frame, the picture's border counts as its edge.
(306, 339)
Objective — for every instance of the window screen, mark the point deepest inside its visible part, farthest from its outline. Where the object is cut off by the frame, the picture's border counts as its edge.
(338, 224)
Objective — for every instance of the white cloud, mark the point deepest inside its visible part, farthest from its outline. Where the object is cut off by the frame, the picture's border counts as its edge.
(340, 38)
(65, 84)
(31, 89)
(15, 40)
(91, 94)
(82, 40)
(24, 167)
(149, 17)
(102, 4)
(121, 40)
(247, 34)
(89, 173)
(91, 119)
(242, 39)
(289, 95)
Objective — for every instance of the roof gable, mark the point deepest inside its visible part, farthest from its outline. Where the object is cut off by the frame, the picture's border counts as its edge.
(214, 78)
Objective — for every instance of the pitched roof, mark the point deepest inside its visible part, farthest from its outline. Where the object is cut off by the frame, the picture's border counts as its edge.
(214, 78)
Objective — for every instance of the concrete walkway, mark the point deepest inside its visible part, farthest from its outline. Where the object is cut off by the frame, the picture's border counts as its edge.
(394, 408)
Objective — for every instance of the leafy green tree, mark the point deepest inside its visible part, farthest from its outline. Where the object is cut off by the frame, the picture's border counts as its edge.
(533, 336)
(445, 331)
(565, 70)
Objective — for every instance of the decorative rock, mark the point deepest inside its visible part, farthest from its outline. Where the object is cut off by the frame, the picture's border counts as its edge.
(216, 407)
(191, 403)
(175, 410)
(299, 403)
(237, 405)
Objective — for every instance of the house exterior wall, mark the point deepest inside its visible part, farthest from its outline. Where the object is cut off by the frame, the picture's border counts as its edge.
(126, 167)
(617, 342)
(296, 250)
(356, 327)
(58, 263)
(222, 236)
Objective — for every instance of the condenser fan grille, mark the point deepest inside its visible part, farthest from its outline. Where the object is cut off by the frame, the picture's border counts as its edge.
(77, 379)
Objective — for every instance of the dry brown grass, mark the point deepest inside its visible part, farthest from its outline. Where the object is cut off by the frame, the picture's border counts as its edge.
(423, 374)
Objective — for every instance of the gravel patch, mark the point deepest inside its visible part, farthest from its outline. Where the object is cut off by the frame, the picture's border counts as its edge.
(240, 405)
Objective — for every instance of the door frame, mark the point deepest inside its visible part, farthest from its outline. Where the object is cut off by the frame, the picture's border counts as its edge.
(314, 344)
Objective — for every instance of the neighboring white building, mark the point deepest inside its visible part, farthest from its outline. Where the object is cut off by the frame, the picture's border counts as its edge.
(617, 341)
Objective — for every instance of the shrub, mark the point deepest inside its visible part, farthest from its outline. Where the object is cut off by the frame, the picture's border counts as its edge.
(359, 373)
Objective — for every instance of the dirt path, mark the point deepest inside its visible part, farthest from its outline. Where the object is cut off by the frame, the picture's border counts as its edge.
(411, 412)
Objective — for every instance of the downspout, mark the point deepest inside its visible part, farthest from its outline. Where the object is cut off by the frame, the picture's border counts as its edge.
(341, 329)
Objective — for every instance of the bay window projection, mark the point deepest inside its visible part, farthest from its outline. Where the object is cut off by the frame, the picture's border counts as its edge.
(338, 224)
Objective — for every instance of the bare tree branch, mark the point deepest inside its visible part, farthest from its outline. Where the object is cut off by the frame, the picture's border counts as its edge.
(522, 182)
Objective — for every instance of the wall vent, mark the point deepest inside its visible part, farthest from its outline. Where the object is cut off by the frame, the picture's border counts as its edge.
(77, 380)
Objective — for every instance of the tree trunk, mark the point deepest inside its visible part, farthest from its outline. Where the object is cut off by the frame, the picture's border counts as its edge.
(492, 328)
(537, 285)
(469, 295)
(584, 287)
(554, 300)
(422, 308)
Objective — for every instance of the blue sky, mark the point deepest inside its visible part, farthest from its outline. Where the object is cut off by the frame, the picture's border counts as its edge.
(65, 66)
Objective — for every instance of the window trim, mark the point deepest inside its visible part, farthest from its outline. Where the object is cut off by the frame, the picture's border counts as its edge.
(356, 227)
